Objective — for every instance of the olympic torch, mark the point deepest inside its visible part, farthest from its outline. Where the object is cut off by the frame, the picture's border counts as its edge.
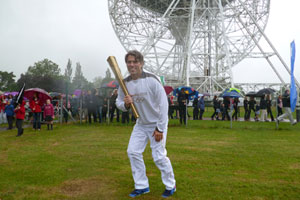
(115, 68)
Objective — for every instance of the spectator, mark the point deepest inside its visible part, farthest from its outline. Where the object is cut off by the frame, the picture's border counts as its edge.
(263, 108)
(196, 109)
(113, 107)
(3, 103)
(215, 105)
(287, 108)
(36, 109)
(99, 103)
(125, 117)
(257, 111)
(246, 102)
(183, 100)
(252, 104)
(49, 114)
(171, 106)
(91, 105)
(279, 106)
(104, 109)
(269, 107)
(226, 102)
(222, 110)
(9, 111)
(20, 115)
(201, 106)
(236, 102)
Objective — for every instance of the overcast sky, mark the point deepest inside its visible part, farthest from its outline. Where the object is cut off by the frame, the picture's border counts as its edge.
(32, 30)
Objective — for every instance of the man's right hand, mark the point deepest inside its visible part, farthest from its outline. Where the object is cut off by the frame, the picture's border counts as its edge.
(128, 100)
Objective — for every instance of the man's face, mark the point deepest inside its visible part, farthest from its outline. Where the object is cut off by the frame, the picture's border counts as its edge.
(134, 67)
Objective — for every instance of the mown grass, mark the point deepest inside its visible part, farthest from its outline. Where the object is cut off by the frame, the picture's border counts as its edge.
(210, 161)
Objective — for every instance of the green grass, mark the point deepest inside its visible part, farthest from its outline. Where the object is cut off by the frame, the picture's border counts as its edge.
(210, 161)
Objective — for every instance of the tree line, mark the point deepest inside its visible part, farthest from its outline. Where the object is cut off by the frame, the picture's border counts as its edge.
(47, 75)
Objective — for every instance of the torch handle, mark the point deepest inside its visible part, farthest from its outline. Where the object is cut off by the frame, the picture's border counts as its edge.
(115, 68)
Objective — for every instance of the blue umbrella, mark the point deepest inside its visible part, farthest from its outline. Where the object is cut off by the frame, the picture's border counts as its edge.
(232, 93)
(191, 92)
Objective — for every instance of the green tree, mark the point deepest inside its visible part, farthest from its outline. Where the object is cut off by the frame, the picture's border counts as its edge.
(68, 71)
(44, 74)
(79, 81)
(97, 81)
(7, 81)
(107, 77)
(44, 68)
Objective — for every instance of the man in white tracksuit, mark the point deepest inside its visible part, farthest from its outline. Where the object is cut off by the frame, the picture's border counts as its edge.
(150, 99)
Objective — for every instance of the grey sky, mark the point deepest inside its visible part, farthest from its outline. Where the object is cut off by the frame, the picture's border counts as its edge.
(32, 30)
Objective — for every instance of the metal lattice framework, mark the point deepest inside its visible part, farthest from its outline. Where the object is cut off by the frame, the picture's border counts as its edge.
(190, 42)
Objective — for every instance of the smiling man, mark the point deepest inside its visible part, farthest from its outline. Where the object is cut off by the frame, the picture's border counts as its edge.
(150, 99)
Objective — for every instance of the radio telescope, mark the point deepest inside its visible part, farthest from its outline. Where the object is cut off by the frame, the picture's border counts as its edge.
(191, 42)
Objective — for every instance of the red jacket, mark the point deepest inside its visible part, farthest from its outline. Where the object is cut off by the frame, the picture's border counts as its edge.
(35, 106)
(48, 110)
(2, 105)
(20, 112)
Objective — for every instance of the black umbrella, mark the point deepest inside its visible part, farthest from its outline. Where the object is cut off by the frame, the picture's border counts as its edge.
(252, 94)
(265, 91)
(20, 96)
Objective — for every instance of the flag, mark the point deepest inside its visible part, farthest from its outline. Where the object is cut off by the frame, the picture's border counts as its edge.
(293, 89)
(162, 80)
(20, 95)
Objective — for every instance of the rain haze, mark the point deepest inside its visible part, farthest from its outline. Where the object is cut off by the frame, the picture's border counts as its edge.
(32, 30)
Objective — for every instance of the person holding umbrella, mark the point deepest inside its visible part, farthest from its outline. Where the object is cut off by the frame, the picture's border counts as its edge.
(20, 115)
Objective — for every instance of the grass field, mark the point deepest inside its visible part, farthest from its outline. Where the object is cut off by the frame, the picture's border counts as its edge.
(210, 161)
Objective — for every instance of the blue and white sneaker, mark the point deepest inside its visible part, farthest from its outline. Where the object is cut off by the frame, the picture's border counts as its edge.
(138, 192)
(168, 193)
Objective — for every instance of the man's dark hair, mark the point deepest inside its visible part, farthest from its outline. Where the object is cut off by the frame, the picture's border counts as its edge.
(138, 56)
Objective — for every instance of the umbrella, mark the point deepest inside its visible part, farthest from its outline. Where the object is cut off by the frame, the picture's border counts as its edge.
(77, 92)
(191, 92)
(265, 91)
(42, 94)
(55, 95)
(20, 95)
(168, 89)
(204, 94)
(111, 84)
(234, 89)
(232, 93)
(252, 94)
(11, 93)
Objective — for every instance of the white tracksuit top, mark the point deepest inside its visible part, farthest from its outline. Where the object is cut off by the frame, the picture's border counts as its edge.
(149, 98)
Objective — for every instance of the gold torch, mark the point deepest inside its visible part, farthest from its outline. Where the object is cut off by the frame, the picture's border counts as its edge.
(115, 68)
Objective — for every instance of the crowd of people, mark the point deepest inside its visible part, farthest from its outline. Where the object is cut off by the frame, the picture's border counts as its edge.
(97, 107)
(228, 108)
(94, 107)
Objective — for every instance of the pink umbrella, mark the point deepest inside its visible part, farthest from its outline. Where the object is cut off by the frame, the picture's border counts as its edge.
(168, 89)
(41, 94)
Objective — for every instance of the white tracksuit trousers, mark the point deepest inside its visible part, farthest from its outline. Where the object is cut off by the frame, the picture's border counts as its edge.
(137, 144)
